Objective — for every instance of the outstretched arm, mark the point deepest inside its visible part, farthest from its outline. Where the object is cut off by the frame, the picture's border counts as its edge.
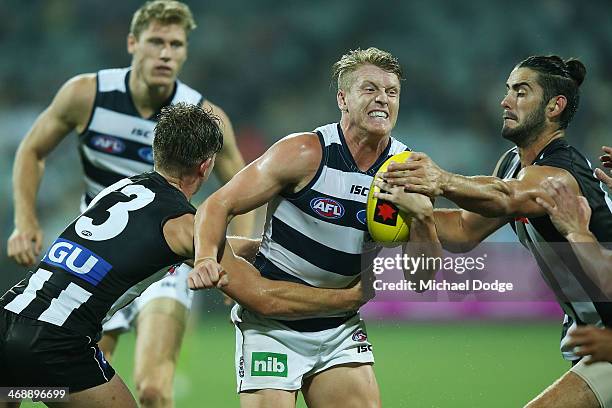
(486, 195)
(458, 230)
(242, 281)
(69, 109)
(287, 166)
(571, 215)
(423, 236)
(282, 299)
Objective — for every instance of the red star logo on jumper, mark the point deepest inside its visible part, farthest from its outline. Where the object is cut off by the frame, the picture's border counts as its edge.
(524, 220)
(386, 211)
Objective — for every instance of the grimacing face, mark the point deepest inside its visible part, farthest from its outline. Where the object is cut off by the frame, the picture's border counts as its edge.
(158, 53)
(523, 106)
(371, 100)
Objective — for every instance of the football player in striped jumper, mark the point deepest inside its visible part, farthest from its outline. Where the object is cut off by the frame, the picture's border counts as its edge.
(316, 185)
(541, 100)
(128, 237)
(114, 112)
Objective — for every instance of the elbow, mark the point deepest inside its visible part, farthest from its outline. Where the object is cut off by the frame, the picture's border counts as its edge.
(502, 203)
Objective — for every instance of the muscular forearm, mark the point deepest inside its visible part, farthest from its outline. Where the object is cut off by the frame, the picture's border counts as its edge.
(486, 195)
(287, 300)
(27, 173)
(423, 243)
(211, 222)
(283, 299)
(594, 259)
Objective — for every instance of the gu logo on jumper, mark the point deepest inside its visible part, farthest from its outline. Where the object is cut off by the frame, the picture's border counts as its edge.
(107, 144)
(386, 213)
(327, 207)
(265, 364)
(77, 260)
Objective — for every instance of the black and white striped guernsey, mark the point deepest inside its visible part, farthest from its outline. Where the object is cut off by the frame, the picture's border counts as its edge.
(104, 258)
(317, 235)
(578, 295)
(117, 141)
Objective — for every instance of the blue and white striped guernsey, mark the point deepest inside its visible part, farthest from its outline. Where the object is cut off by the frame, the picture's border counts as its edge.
(117, 141)
(317, 235)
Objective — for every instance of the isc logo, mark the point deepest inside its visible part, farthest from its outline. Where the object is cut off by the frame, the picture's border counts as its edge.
(359, 190)
(268, 364)
(77, 260)
(141, 132)
(327, 207)
(107, 144)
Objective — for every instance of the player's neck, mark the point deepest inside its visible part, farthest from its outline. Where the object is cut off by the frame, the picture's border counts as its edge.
(187, 185)
(364, 147)
(529, 153)
(148, 99)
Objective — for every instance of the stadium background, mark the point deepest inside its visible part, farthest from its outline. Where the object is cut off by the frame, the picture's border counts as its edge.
(267, 64)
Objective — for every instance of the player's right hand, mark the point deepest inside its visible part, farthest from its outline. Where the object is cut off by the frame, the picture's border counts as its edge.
(207, 274)
(25, 244)
(606, 161)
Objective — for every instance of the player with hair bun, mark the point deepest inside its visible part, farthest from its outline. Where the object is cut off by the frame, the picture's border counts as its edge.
(541, 100)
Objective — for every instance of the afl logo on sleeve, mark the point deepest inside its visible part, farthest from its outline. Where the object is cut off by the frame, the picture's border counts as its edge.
(77, 260)
(327, 207)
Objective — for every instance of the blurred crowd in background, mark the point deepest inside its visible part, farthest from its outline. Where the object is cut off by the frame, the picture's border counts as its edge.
(267, 64)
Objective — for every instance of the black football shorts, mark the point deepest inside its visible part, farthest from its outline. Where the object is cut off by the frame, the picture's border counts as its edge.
(39, 354)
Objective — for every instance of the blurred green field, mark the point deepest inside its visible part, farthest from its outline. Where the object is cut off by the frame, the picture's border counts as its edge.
(448, 365)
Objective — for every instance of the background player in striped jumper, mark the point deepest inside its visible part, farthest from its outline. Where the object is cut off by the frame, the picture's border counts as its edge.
(50, 321)
(542, 98)
(315, 184)
(114, 112)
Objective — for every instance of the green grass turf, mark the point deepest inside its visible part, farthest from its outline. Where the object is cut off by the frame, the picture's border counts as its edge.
(451, 365)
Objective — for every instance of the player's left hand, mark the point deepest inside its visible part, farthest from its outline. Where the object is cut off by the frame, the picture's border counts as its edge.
(594, 342)
(417, 205)
(207, 274)
(418, 174)
(570, 213)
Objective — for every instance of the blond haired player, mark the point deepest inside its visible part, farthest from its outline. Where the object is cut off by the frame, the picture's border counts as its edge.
(315, 184)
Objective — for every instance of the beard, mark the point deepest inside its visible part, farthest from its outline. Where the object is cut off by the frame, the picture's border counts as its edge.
(527, 132)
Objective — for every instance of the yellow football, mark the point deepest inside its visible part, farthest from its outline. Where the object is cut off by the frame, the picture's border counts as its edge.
(386, 223)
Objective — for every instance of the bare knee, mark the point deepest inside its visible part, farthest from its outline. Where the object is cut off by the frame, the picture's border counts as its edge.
(568, 391)
(154, 394)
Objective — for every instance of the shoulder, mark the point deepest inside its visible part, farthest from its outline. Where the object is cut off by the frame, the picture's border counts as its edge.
(75, 99)
(536, 174)
(304, 146)
(216, 110)
(81, 85)
(294, 157)
(178, 233)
